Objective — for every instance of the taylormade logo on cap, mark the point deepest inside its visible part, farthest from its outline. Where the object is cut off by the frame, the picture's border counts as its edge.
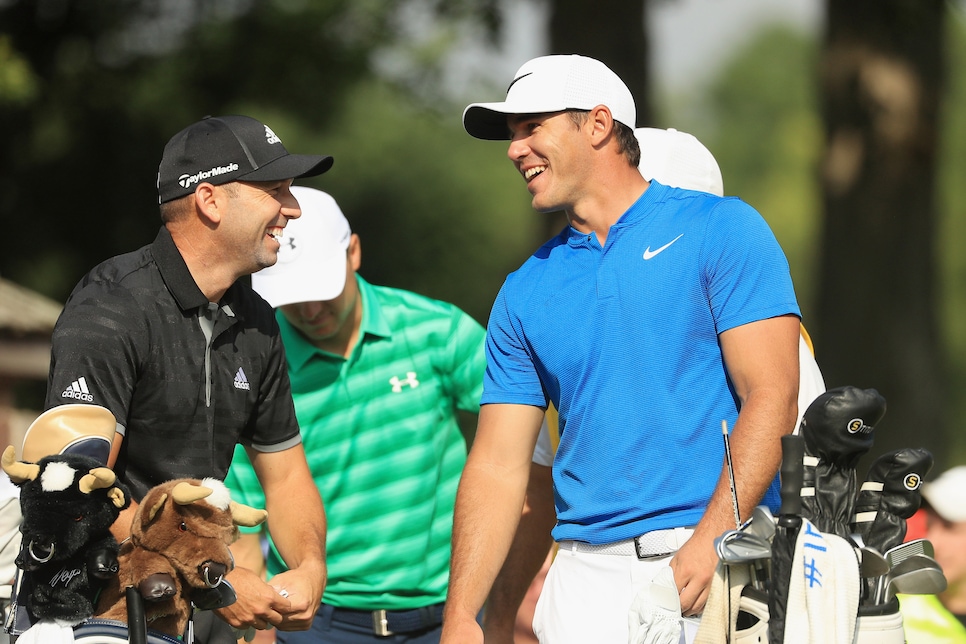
(553, 84)
(187, 180)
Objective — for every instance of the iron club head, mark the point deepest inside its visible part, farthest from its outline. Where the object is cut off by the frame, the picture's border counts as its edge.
(762, 523)
(899, 553)
(873, 563)
(915, 575)
(736, 546)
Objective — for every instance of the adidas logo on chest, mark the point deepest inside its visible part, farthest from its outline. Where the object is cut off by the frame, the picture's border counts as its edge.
(241, 382)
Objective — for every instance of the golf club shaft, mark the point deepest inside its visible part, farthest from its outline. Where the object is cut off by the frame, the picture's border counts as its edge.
(731, 473)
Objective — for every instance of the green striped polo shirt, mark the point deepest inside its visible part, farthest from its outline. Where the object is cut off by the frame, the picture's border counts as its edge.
(382, 440)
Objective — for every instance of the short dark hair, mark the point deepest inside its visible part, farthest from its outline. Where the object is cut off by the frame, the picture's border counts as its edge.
(178, 208)
(626, 141)
(175, 209)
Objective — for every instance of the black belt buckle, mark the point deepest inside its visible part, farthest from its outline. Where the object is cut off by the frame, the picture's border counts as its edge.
(380, 623)
(642, 552)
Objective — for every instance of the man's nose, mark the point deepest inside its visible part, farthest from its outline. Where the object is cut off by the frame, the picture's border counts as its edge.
(290, 205)
(309, 310)
(517, 149)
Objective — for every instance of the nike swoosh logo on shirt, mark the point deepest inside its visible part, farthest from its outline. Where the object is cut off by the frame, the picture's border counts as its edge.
(648, 253)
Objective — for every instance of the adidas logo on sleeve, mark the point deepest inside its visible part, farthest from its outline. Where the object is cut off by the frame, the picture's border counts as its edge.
(78, 391)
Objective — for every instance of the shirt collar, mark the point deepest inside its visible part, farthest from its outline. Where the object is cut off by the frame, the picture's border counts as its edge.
(638, 210)
(175, 272)
(374, 325)
(178, 278)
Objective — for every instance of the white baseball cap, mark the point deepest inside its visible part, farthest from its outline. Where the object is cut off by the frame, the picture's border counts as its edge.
(553, 84)
(679, 160)
(947, 494)
(312, 258)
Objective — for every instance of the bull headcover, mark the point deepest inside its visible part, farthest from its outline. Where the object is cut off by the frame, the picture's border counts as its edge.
(69, 502)
(178, 553)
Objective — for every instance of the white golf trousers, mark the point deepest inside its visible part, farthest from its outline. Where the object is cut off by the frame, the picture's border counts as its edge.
(586, 598)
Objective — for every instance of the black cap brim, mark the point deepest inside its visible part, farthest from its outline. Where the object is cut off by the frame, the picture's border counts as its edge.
(289, 166)
(485, 123)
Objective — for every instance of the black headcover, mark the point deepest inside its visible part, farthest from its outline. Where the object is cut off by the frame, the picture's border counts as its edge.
(837, 428)
(889, 496)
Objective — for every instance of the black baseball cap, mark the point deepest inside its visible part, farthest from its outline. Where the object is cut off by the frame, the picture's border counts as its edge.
(221, 149)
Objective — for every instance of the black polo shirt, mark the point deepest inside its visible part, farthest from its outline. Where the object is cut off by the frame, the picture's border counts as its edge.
(131, 338)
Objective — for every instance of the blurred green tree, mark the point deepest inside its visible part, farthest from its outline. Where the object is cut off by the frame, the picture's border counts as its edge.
(951, 199)
(90, 92)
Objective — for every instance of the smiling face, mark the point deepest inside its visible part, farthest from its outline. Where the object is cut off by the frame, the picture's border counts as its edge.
(257, 213)
(549, 151)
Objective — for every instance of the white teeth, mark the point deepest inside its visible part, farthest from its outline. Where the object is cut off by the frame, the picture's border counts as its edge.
(532, 172)
(276, 234)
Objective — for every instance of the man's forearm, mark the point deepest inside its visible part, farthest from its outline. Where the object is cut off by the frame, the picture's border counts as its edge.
(756, 456)
(529, 549)
(487, 513)
(488, 506)
(297, 524)
(247, 552)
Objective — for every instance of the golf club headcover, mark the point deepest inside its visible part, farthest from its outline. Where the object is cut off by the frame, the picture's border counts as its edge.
(837, 429)
(889, 496)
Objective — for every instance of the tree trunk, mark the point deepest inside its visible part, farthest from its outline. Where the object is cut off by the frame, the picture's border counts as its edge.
(882, 79)
(615, 33)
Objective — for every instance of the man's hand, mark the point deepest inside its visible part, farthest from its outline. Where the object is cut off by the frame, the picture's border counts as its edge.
(461, 632)
(303, 588)
(258, 604)
(694, 565)
(296, 522)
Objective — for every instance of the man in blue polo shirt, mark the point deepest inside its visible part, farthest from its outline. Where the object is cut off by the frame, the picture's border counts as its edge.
(656, 315)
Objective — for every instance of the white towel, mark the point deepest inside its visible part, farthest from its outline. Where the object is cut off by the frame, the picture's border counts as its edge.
(716, 620)
(823, 592)
(47, 632)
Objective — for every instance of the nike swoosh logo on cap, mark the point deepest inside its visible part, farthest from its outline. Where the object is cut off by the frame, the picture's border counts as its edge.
(513, 82)
(648, 253)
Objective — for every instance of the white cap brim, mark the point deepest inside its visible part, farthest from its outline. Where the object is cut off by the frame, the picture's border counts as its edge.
(947, 494)
(311, 264)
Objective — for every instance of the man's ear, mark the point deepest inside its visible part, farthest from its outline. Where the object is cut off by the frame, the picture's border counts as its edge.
(355, 252)
(209, 202)
(602, 122)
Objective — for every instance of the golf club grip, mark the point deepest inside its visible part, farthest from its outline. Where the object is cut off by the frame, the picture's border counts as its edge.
(793, 451)
(137, 625)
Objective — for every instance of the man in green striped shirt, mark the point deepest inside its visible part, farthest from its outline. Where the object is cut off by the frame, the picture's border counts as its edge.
(378, 376)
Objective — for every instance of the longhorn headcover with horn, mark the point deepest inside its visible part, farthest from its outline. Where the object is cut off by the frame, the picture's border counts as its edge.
(68, 502)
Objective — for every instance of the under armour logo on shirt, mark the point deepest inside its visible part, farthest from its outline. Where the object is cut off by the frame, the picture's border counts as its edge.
(397, 384)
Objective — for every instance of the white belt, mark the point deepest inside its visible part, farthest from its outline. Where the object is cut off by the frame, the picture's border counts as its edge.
(656, 543)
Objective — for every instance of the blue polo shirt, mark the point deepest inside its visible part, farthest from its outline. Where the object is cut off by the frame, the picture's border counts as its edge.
(624, 341)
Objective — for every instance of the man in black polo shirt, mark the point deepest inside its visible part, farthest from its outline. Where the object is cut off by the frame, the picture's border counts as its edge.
(189, 360)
